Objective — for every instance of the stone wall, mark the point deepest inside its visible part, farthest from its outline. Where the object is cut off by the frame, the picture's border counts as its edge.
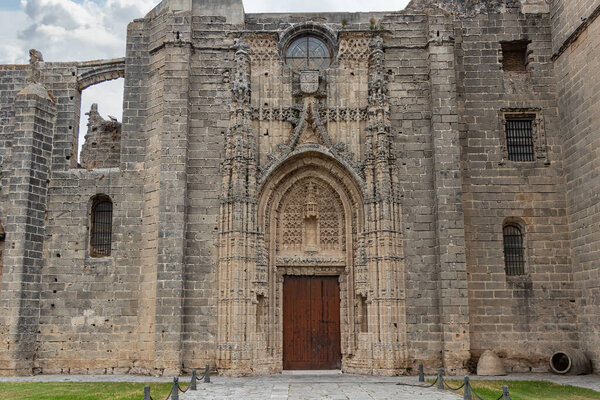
(210, 97)
(576, 59)
(406, 126)
(89, 306)
(523, 318)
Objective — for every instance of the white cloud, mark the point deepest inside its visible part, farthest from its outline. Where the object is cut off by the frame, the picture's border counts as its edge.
(65, 30)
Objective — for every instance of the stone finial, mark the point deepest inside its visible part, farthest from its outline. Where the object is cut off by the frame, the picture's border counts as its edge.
(35, 57)
(376, 43)
(240, 45)
(93, 114)
(490, 365)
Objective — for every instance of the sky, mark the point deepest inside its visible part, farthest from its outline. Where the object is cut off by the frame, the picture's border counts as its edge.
(81, 30)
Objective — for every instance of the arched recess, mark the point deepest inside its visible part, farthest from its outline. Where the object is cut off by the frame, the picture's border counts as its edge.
(309, 188)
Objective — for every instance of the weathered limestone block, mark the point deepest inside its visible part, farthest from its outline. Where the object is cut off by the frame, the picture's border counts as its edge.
(490, 364)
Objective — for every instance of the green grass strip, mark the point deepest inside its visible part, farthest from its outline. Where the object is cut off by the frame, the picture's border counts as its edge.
(83, 390)
(529, 390)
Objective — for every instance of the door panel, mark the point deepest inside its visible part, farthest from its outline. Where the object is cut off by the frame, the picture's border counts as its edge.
(311, 322)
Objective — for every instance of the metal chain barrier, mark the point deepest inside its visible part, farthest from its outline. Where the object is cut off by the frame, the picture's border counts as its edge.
(176, 388)
(466, 386)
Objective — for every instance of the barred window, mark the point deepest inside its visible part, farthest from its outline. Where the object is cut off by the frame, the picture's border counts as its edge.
(101, 227)
(519, 139)
(514, 260)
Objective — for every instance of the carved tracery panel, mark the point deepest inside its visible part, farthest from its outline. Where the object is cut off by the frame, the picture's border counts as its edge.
(311, 220)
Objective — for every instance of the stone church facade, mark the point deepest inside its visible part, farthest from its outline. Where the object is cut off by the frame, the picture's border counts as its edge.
(414, 186)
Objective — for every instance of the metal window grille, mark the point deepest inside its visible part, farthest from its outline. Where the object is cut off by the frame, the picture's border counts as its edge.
(519, 139)
(101, 230)
(514, 260)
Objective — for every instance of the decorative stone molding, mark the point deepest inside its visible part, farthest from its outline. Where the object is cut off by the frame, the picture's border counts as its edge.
(326, 114)
(263, 47)
(320, 30)
(310, 130)
(354, 48)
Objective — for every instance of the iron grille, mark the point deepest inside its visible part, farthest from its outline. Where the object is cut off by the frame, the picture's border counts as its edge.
(519, 139)
(514, 261)
(101, 231)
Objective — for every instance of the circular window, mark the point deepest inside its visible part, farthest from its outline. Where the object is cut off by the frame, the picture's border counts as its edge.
(308, 52)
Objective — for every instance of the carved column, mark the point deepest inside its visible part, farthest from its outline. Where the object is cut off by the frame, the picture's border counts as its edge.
(386, 311)
(238, 232)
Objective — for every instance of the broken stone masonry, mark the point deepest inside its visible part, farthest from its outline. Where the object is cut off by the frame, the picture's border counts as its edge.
(384, 160)
(102, 145)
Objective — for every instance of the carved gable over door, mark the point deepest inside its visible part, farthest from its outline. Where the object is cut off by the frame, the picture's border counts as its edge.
(311, 221)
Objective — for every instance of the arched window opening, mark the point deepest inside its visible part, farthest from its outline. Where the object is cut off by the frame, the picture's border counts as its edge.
(101, 227)
(514, 259)
(308, 53)
(99, 142)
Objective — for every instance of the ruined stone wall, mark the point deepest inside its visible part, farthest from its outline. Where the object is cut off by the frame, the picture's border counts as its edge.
(523, 318)
(139, 151)
(102, 145)
(13, 80)
(576, 60)
(89, 305)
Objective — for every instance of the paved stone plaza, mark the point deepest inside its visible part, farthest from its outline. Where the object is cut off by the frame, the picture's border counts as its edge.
(351, 387)
(313, 386)
(319, 386)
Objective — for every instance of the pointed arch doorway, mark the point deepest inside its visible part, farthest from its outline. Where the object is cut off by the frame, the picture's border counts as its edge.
(310, 214)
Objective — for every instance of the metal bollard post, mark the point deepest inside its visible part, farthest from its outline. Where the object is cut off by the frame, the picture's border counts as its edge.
(467, 389)
(207, 374)
(175, 390)
(421, 375)
(440, 379)
(505, 393)
(193, 381)
(147, 393)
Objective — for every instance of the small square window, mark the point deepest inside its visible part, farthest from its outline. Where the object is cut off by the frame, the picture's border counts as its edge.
(514, 55)
(519, 138)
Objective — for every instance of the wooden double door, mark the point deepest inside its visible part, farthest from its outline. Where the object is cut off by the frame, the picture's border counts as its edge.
(311, 322)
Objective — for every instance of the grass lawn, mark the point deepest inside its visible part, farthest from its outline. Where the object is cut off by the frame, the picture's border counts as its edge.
(529, 390)
(83, 391)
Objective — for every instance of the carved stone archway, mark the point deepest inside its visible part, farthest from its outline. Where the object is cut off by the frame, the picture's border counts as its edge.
(310, 216)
